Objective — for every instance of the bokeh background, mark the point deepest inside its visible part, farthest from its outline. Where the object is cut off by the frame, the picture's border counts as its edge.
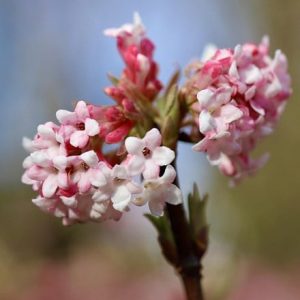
(52, 52)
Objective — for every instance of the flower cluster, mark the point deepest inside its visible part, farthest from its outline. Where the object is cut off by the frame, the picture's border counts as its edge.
(76, 182)
(241, 94)
(137, 52)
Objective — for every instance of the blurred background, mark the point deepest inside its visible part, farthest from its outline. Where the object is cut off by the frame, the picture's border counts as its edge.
(52, 53)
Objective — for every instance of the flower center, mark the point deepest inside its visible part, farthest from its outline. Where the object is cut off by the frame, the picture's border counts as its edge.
(146, 152)
(84, 166)
(118, 180)
(80, 125)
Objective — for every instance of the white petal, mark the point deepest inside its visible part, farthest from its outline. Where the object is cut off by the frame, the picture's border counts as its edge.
(69, 201)
(91, 127)
(204, 98)
(119, 172)
(121, 198)
(233, 71)
(136, 165)
(100, 196)
(62, 180)
(163, 156)
(156, 208)
(40, 158)
(134, 145)
(169, 175)
(27, 144)
(60, 162)
(206, 122)
(90, 158)
(50, 186)
(208, 52)
(66, 117)
(79, 139)
(97, 178)
(152, 138)
(173, 195)
(251, 74)
(42, 203)
(46, 132)
(151, 170)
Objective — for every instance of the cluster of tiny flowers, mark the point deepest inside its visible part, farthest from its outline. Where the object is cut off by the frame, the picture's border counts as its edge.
(136, 51)
(241, 94)
(77, 183)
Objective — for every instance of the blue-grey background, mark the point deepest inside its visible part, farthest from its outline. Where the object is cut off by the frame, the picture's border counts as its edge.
(52, 53)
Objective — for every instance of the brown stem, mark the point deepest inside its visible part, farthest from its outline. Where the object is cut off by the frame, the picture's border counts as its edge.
(189, 266)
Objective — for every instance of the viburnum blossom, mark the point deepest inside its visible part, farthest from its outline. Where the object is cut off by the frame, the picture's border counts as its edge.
(159, 191)
(241, 94)
(137, 52)
(74, 180)
(147, 155)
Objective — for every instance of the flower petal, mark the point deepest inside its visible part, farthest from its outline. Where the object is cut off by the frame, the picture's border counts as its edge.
(151, 170)
(134, 145)
(136, 165)
(121, 198)
(50, 186)
(172, 194)
(90, 158)
(169, 175)
(91, 127)
(163, 156)
(206, 122)
(79, 139)
(66, 117)
(152, 139)
(156, 208)
(119, 172)
(81, 110)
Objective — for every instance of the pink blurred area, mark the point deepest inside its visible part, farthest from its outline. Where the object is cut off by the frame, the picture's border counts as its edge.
(259, 283)
(89, 276)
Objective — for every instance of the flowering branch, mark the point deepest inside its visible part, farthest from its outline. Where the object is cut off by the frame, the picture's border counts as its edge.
(229, 101)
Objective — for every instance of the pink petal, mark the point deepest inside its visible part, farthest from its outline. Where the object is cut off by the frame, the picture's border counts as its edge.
(163, 156)
(81, 110)
(230, 113)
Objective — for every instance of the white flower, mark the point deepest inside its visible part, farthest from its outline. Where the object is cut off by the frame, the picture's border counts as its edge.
(119, 187)
(147, 155)
(160, 191)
